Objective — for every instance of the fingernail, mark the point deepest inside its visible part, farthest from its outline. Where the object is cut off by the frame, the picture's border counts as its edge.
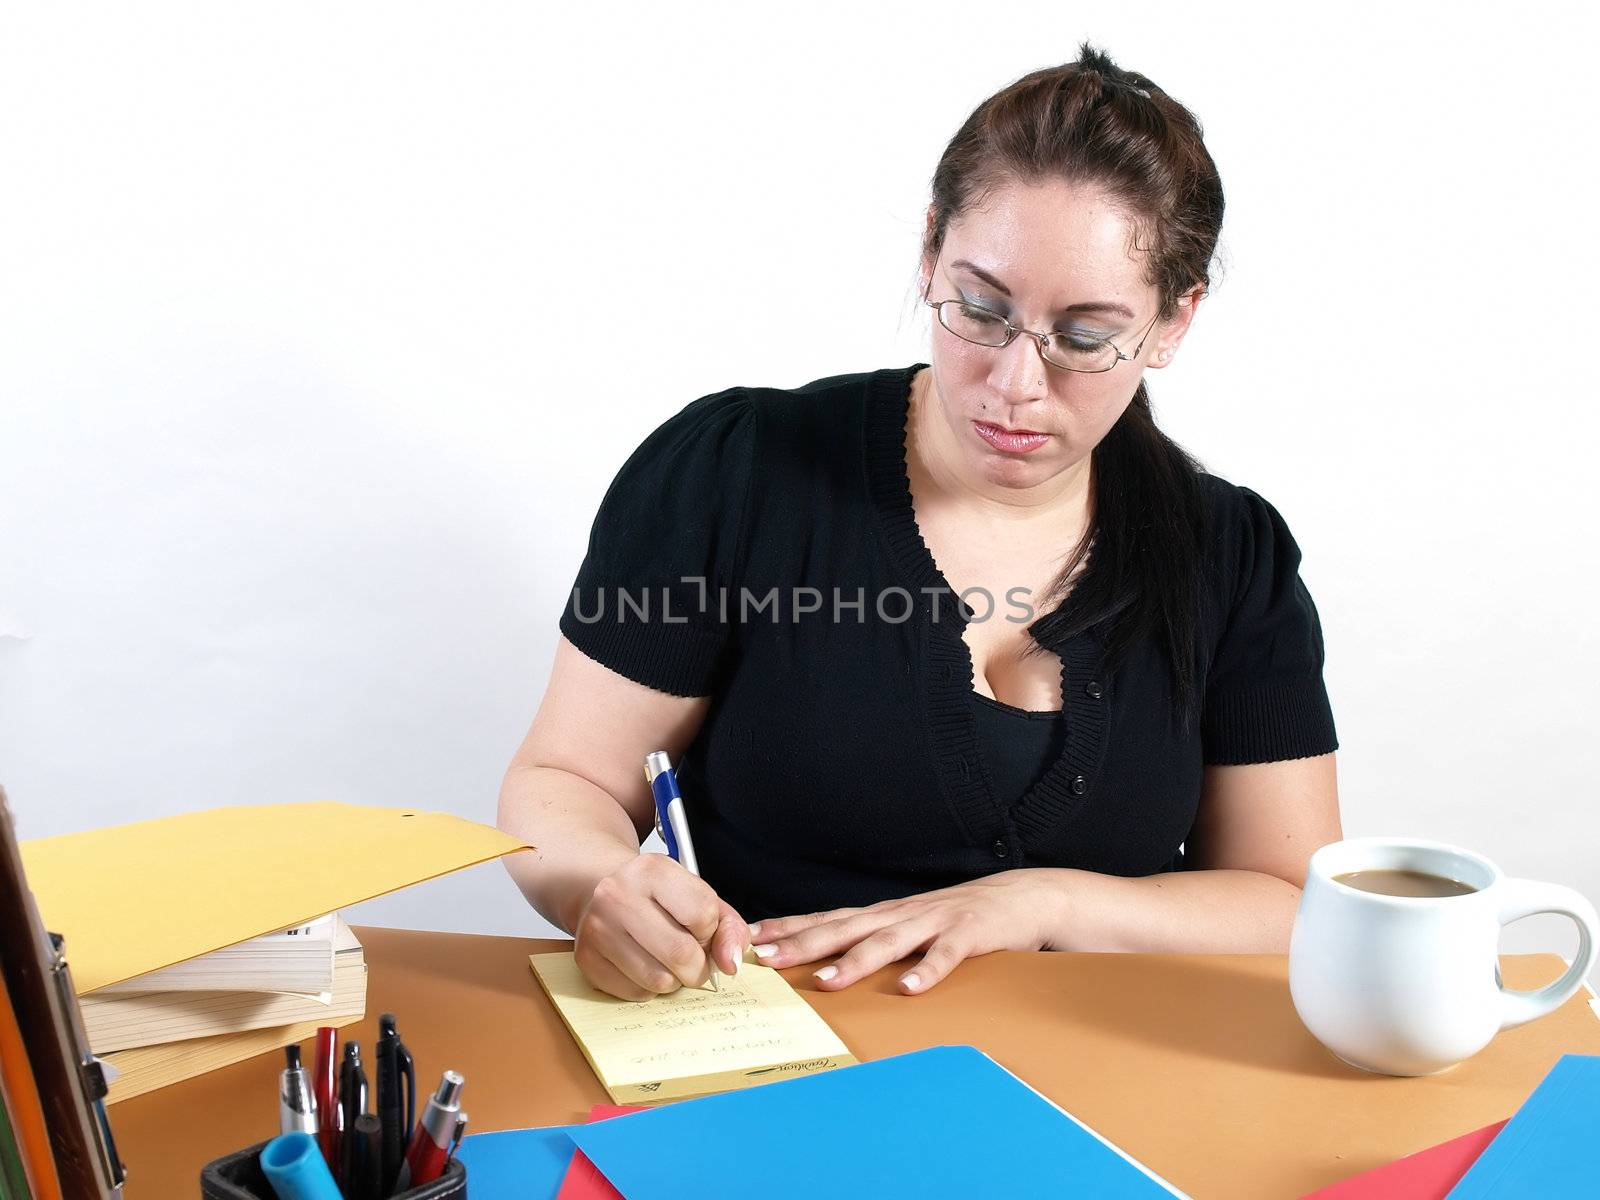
(765, 951)
(826, 973)
(910, 981)
(736, 956)
(755, 931)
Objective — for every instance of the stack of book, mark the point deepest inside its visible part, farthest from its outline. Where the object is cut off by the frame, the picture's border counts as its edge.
(234, 1003)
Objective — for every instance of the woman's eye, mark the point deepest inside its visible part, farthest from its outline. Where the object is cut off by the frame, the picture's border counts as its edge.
(976, 313)
(1080, 341)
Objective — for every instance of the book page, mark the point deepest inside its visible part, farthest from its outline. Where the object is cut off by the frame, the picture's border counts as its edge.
(754, 1029)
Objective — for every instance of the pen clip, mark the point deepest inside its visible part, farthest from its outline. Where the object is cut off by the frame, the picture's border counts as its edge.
(90, 1071)
(663, 790)
(407, 1069)
(455, 1138)
(660, 817)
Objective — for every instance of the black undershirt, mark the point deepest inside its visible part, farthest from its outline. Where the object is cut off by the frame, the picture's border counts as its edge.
(1017, 744)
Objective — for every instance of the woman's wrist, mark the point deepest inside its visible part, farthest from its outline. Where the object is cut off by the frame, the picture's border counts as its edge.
(578, 888)
(1197, 911)
(1046, 895)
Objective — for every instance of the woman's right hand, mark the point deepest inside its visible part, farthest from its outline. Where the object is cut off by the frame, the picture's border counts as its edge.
(651, 927)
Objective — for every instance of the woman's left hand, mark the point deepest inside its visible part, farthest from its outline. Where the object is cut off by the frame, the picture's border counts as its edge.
(1006, 911)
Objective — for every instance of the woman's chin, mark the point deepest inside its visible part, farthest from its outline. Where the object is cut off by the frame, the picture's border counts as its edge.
(1011, 471)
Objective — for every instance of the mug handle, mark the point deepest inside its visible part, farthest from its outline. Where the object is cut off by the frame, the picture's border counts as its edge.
(1524, 898)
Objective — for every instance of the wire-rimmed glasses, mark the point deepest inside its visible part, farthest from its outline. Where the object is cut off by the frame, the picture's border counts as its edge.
(1071, 351)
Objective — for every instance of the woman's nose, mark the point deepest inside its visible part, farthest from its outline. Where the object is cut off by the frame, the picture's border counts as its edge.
(1021, 371)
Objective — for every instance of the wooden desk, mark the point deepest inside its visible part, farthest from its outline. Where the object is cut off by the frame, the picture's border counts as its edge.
(1198, 1066)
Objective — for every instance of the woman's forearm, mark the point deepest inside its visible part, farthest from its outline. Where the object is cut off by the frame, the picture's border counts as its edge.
(580, 834)
(1181, 912)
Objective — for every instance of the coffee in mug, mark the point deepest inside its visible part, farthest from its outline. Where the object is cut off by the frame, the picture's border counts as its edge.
(1404, 883)
(1396, 943)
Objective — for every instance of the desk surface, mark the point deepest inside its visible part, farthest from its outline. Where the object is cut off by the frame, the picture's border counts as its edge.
(1196, 1065)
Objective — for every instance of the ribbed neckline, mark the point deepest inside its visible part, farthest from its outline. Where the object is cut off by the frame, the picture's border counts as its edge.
(1011, 710)
(1069, 782)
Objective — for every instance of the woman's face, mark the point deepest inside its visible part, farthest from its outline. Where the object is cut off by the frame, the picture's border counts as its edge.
(1046, 256)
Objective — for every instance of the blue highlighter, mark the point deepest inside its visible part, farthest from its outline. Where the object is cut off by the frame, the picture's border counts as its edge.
(294, 1166)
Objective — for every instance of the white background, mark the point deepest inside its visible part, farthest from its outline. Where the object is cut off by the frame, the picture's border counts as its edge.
(324, 327)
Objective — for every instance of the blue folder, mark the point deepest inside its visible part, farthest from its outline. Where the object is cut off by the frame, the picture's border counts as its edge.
(948, 1121)
(1551, 1147)
(517, 1164)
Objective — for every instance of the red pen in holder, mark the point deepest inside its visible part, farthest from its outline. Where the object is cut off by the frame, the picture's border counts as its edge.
(437, 1134)
(327, 1107)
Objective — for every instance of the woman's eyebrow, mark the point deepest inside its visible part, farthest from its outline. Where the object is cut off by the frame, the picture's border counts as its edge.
(1106, 306)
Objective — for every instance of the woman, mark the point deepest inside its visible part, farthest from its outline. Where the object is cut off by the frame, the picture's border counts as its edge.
(959, 657)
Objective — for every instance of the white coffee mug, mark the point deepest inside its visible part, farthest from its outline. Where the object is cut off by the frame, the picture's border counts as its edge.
(1406, 985)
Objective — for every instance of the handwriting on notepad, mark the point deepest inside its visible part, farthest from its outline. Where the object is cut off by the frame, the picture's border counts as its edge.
(732, 1021)
(754, 1021)
(695, 1010)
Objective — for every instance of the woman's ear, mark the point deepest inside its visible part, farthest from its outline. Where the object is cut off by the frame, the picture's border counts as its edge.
(1174, 331)
(925, 267)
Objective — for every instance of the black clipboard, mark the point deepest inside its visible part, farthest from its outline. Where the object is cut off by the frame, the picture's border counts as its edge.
(70, 1080)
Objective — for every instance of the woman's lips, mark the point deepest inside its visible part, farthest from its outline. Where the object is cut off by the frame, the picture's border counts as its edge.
(1010, 441)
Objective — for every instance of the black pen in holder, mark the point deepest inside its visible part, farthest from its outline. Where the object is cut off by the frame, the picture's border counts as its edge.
(366, 1167)
(394, 1066)
(352, 1104)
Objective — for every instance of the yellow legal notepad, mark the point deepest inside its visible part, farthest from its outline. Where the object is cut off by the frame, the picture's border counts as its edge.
(692, 1041)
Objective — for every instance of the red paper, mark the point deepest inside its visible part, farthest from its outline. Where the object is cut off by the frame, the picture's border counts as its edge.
(599, 1112)
(1425, 1175)
(583, 1180)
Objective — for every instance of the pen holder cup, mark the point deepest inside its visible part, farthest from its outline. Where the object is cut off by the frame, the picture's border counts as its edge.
(238, 1176)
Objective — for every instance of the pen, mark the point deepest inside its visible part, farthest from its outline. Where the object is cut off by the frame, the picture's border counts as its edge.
(367, 1162)
(393, 1063)
(297, 1111)
(672, 823)
(435, 1137)
(352, 1104)
(324, 1081)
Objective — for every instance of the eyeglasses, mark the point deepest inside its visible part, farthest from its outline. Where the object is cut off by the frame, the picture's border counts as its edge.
(1070, 351)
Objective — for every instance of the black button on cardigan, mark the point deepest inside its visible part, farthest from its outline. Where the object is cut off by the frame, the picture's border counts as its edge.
(760, 547)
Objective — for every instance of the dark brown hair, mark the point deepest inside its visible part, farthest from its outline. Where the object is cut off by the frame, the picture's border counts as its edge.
(1091, 122)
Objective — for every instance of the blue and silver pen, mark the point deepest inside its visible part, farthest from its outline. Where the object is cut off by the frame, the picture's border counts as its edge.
(671, 821)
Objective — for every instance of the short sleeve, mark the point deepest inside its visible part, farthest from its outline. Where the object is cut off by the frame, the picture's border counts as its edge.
(1265, 698)
(663, 547)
